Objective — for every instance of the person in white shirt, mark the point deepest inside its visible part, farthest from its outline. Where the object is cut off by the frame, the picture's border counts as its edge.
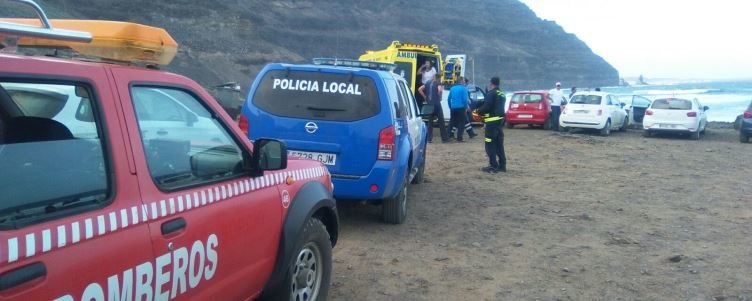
(556, 98)
(427, 71)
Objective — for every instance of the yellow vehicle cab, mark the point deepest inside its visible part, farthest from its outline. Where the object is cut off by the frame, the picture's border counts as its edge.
(109, 41)
(408, 57)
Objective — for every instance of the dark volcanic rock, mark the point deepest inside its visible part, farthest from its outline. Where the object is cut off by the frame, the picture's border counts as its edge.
(232, 40)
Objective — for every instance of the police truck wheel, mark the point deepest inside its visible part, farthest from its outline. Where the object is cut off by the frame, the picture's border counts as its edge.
(606, 130)
(394, 210)
(420, 175)
(647, 133)
(743, 138)
(695, 135)
(310, 269)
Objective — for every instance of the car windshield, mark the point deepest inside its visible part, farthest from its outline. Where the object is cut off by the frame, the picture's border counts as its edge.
(586, 99)
(672, 104)
(527, 98)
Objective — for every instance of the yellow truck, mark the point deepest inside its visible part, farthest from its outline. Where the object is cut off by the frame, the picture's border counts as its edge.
(408, 57)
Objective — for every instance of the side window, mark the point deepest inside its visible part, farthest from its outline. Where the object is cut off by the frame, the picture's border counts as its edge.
(51, 154)
(391, 89)
(187, 151)
(410, 100)
(402, 102)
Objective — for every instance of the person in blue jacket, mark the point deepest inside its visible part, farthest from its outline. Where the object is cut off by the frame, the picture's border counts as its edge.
(459, 105)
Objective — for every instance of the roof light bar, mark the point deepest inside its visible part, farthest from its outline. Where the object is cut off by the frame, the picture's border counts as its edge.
(15, 30)
(354, 63)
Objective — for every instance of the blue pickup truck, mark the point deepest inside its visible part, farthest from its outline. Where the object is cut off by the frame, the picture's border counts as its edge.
(358, 118)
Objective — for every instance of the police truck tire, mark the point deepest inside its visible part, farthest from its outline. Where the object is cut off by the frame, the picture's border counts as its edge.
(695, 135)
(743, 138)
(647, 133)
(420, 175)
(394, 210)
(310, 269)
(625, 124)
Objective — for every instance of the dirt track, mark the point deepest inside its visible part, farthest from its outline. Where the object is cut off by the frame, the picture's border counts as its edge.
(577, 217)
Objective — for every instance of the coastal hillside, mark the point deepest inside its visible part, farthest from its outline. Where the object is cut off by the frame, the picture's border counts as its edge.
(232, 40)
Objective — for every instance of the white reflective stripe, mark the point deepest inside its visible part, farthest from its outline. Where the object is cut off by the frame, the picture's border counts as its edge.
(235, 188)
(255, 184)
(123, 218)
(100, 225)
(144, 213)
(13, 249)
(61, 237)
(46, 240)
(172, 206)
(211, 196)
(163, 208)
(75, 233)
(188, 202)
(31, 247)
(196, 200)
(216, 194)
(224, 193)
(89, 228)
(247, 185)
(113, 221)
(203, 197)
(154, 212)
(180, 204)
(134, 215)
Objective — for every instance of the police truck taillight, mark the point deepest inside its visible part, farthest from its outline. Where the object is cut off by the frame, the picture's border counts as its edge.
(243, 124)
(691, 114)
(649, 113)
(747, 114)
(386, 143)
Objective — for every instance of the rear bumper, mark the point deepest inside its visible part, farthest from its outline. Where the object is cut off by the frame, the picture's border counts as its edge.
(517, 117)
(657, 126)
(384, 175)
(581, 122)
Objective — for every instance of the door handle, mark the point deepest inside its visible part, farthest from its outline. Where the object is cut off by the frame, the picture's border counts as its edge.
(173, 225)
(22, 275)
(161, 132)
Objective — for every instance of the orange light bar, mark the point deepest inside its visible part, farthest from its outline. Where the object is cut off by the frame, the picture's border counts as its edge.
(112, 40)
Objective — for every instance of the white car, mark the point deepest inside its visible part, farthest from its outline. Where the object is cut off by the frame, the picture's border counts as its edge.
(594, 110)
(675, 115)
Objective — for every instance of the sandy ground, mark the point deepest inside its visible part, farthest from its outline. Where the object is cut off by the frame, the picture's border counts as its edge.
(577, 217)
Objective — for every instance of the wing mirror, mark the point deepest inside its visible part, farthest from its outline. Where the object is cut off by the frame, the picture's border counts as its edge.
(623, 105)
(268, 154)
(705, 108)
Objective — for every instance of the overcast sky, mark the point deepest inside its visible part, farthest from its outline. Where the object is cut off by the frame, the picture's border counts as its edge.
(701, 39)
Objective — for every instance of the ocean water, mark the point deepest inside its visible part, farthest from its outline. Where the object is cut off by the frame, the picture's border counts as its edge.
(726, 99)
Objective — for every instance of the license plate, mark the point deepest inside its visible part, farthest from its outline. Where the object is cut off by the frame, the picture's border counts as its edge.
(525, 116)
(581, 111)
(327, 159)
(667, 126)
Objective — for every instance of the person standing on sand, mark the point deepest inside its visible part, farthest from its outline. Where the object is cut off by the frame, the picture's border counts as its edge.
(492, 111)
(431, 91)
(427, 72)
(459, 105)
(556, 99)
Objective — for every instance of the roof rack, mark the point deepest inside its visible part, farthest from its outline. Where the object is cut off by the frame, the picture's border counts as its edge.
(354, 63)
(13, 31)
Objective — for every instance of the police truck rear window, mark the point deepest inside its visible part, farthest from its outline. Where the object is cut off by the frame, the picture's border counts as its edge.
(319, 96)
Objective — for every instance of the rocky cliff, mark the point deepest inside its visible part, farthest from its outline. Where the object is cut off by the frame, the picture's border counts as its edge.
(232, 40)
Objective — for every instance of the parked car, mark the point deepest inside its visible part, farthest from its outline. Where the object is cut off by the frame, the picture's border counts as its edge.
(362, 123)
(529, 107)
(675, 115)
(636, 106)
(745, 125)
(93, 204)
(594, 110)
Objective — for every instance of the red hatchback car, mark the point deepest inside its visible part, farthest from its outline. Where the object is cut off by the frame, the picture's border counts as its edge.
(529, 107)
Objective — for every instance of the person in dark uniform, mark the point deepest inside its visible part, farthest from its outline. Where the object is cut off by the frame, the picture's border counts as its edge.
(493, 114)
